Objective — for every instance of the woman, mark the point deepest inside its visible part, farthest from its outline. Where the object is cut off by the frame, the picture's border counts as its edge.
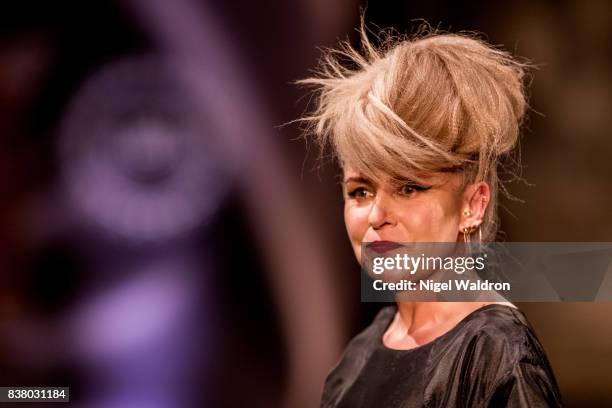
(419, 127)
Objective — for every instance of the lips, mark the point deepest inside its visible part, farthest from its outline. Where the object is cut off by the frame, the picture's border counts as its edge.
(383, 246)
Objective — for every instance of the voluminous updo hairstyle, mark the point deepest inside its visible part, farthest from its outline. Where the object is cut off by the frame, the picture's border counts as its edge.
(424, 103)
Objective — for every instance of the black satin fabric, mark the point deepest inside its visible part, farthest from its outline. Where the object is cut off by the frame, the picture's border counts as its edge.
(492, 358)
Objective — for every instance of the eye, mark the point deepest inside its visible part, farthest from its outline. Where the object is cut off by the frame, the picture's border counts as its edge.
(360, 193)
(411, 188)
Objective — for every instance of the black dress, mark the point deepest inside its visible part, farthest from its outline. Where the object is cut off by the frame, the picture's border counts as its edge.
(491, 358)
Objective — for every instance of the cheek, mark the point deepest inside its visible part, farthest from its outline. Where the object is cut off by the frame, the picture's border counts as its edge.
(432, 221)
(356, 221)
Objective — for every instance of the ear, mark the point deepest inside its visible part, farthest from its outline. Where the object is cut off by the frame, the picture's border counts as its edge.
(476, 198)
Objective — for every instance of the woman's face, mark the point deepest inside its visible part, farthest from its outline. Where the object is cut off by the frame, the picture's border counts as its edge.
(404, 212)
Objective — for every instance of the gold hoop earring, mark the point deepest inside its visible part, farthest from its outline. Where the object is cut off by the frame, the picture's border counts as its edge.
(466, 233)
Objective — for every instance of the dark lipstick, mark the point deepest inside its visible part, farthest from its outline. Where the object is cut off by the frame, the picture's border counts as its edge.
(383, 246)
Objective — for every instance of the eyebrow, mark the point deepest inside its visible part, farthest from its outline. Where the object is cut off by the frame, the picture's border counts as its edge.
(358, 179)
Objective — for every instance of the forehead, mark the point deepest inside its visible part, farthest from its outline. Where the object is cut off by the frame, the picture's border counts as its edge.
(350, 173)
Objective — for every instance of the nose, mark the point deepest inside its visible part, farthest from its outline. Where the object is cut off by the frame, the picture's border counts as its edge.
(380, 213)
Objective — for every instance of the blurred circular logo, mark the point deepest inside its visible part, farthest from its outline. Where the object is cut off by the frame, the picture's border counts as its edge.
(142, 157)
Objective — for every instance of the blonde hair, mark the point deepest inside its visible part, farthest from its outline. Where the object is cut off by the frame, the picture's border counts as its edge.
(426, 103)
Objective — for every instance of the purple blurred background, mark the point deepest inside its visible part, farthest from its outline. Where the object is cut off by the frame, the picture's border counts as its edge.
(165, 243)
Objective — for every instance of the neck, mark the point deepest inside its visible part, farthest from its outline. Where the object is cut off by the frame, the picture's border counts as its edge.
(415, 315)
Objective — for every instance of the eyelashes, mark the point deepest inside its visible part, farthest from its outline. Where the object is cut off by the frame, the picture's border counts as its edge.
(359, 193)
(405, 190)
(411, 188)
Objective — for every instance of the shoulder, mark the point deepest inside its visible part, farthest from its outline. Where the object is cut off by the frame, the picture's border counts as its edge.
(361, 346)
(354, 358)
(491, 349)
(502, 331)
(517, 371)
(500, 335)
